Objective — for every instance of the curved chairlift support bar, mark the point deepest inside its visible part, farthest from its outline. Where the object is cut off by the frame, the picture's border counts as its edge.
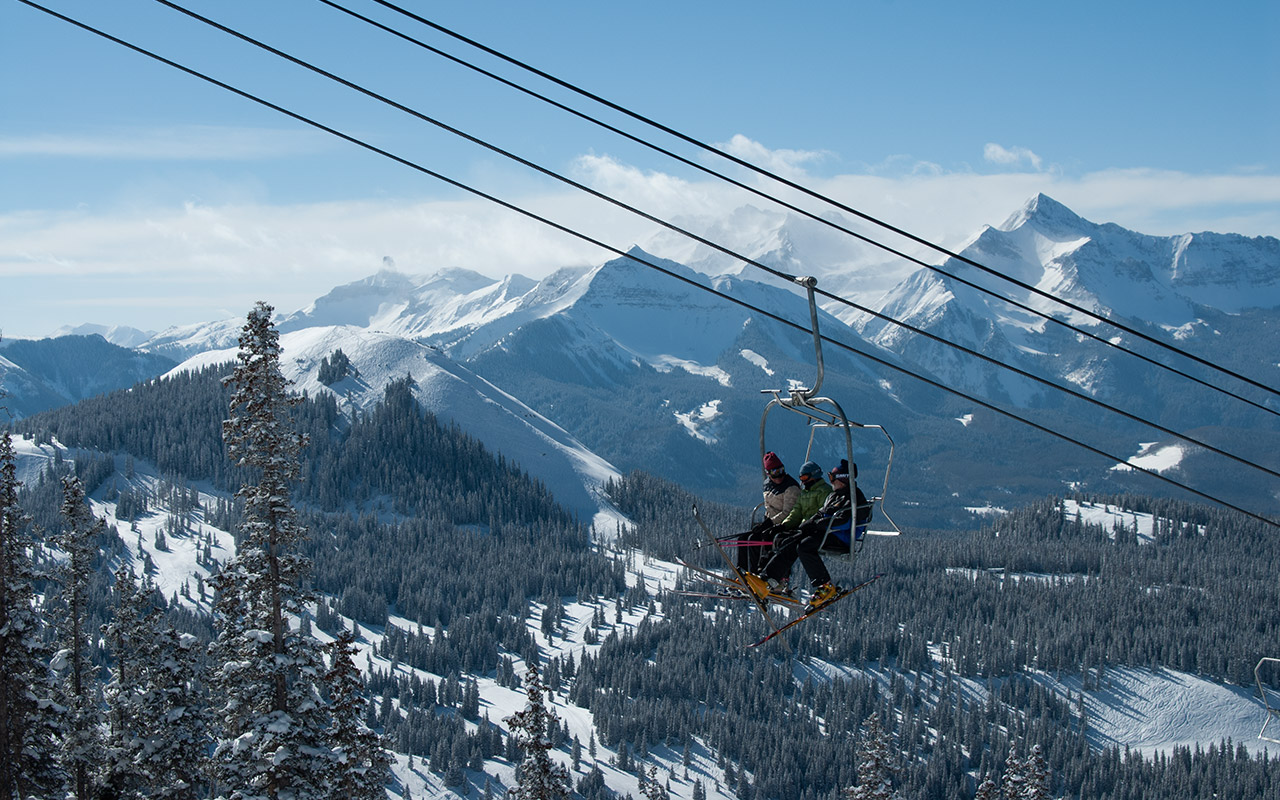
(804, 401)
(1272, 711)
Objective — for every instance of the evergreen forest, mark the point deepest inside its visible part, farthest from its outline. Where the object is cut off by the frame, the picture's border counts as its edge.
(944, 660)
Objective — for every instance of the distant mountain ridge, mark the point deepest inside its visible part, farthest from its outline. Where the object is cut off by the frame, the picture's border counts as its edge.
(47, 373)
(1211, 294)
(647, 372)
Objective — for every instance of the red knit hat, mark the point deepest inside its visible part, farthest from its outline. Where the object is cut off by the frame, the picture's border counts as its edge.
(771, 461)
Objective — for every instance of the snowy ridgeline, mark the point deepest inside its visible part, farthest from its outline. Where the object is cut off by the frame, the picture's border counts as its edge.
(1150, 711)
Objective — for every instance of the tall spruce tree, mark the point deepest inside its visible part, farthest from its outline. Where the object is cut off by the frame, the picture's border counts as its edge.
(272, 720)
(874, 768)
(82, 721)
(362, 765)
(1036, 775)
(1014, 780)
(540, 777)
(28, 728)
(130, 648)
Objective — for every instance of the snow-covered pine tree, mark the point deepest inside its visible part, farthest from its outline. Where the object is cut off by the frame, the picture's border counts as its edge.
(82, 746)
(28, 727)
(1013, 781)
(874, 765)
(650, 787)
(540, 777)
(272, 721)
(131, 649)
(158, 712)
(176, 715)
(1035, 773)
(362, 765)
(987, 790)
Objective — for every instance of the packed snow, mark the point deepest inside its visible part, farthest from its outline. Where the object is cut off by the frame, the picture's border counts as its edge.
(700, 421)
(758, 360)
(1155, 457)
(1111, 518)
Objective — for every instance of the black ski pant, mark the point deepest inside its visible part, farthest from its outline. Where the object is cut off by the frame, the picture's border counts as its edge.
(752, 544)
(803, 543)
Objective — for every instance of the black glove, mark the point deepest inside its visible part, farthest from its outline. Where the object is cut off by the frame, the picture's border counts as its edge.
(762, 527)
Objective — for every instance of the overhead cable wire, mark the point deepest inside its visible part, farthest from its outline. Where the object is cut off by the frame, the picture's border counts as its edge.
(613, 249)
(860, 214)
(701, 240)
(799, 210)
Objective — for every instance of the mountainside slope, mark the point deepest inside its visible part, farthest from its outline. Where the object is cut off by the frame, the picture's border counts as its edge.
(47, 373)
(1206, 293)
(452, 393)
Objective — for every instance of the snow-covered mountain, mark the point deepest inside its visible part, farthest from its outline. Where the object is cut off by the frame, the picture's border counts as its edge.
(641, 368)
(415, 306)
(651, 373)
(789, 242)
(453, 393)
(1211, 294)
(37, 375)
(183, 341)
(656, 374)
(121, 335)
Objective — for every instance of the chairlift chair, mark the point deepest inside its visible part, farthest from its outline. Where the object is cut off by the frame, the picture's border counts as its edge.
(824, 413)
(1272, 711)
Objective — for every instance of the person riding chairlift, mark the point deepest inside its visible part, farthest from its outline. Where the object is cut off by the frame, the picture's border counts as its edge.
(780, 493)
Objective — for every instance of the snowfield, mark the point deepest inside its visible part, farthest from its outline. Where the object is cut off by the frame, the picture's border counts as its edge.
(1155, 711)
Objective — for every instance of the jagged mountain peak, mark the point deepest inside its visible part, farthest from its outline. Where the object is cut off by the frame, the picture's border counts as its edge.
(1048, 217)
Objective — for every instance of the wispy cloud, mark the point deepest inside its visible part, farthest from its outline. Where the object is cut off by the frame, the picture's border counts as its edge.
(1010, 156)
(188, 142)
(787, 163)
(232, 253)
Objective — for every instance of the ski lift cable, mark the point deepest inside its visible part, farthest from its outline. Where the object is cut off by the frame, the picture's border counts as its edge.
(823, 198)
(1103, 340)
(702, 240)
(613, 249)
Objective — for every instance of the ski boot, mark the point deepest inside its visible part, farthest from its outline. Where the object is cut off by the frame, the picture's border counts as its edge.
(821, 596)
(758, 585)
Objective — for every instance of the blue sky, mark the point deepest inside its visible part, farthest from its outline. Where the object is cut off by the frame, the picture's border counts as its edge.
(133, 194)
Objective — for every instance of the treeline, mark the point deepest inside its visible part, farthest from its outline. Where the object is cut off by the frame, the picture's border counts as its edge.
(396, 458)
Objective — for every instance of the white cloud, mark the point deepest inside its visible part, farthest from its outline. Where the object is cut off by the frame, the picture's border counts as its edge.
(786, 163)
(187, 142)
(1010, 156)
(233, 253)
(645, 190)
